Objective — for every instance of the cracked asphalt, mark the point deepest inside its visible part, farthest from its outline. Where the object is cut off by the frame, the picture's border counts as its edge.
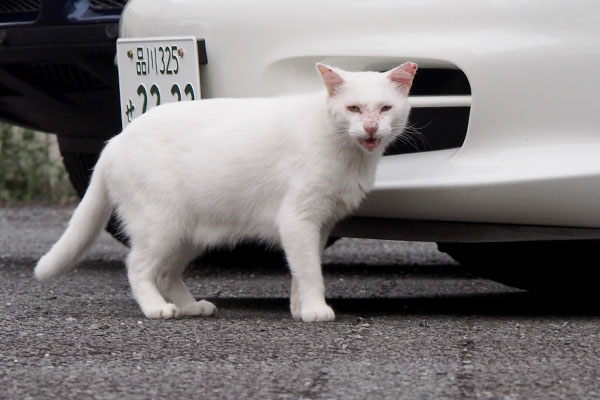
(411, 324)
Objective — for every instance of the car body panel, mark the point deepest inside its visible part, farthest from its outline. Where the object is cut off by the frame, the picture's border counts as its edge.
(530, 153)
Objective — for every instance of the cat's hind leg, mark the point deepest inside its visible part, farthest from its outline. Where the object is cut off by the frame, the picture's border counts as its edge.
(173, 288)
(143, 268)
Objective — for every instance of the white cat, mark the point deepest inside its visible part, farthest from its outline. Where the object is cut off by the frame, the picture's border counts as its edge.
(193, 175)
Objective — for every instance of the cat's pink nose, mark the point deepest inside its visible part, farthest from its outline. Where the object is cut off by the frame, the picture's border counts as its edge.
(371, 129)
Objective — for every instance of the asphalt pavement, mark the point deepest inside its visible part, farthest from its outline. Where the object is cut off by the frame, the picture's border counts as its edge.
(411, 324)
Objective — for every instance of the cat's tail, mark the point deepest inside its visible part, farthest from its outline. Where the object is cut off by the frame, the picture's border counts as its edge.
(88, 220)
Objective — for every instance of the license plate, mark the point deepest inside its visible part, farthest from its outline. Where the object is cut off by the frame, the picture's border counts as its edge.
(155, 71)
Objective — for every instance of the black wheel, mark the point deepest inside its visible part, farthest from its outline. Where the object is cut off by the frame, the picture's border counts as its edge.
(79, 166)
(568, 266)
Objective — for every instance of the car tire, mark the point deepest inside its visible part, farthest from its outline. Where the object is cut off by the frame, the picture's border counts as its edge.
(79, 167)
(545, 266)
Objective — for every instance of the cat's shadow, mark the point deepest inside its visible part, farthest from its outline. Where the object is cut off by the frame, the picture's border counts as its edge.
(489, 304)
(508, 302)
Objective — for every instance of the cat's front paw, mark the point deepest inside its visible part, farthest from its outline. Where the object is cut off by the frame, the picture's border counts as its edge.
(201, 308)
(317, 313)
(166, 311)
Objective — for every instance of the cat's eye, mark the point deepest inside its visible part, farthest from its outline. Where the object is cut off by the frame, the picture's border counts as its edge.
(353, 109)
(386, 108)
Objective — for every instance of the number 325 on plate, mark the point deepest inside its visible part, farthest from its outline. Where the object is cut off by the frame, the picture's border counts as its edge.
(155, 71)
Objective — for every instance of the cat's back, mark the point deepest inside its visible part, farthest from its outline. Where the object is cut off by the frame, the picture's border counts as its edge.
(175, 121)
(232, 128)
(204, 117)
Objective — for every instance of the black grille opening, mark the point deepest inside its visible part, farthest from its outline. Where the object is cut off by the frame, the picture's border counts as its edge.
(19, 6)
(19, 10)
(440, 82)
(432, 129)
(435, 128)
(107, 4)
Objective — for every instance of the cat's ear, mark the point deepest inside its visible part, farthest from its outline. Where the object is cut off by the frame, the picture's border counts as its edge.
(333, 80)
(403, 76)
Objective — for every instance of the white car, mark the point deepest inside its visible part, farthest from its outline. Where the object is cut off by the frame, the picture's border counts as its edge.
(502, 164)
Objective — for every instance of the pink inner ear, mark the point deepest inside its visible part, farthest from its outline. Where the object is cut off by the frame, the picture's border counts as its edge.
(403, 75)
(332, 79)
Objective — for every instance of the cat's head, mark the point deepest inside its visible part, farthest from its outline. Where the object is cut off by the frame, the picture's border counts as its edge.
(371, 108)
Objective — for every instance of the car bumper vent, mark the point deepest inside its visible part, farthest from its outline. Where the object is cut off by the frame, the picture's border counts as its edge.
(441, 103)
(59, 77)
(107, 4)
(6, 91)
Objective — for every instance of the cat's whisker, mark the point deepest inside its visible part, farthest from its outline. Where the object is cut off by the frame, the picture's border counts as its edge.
(407, 136)
(417, 136)
(412, 133)
(406, 140)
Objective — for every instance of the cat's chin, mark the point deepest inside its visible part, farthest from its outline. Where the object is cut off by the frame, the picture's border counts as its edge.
(370, 144)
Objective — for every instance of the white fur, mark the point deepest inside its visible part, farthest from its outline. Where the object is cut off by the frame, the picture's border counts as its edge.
(192, 175)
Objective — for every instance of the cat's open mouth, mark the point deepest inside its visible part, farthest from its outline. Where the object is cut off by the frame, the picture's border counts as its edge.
(370, 144)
